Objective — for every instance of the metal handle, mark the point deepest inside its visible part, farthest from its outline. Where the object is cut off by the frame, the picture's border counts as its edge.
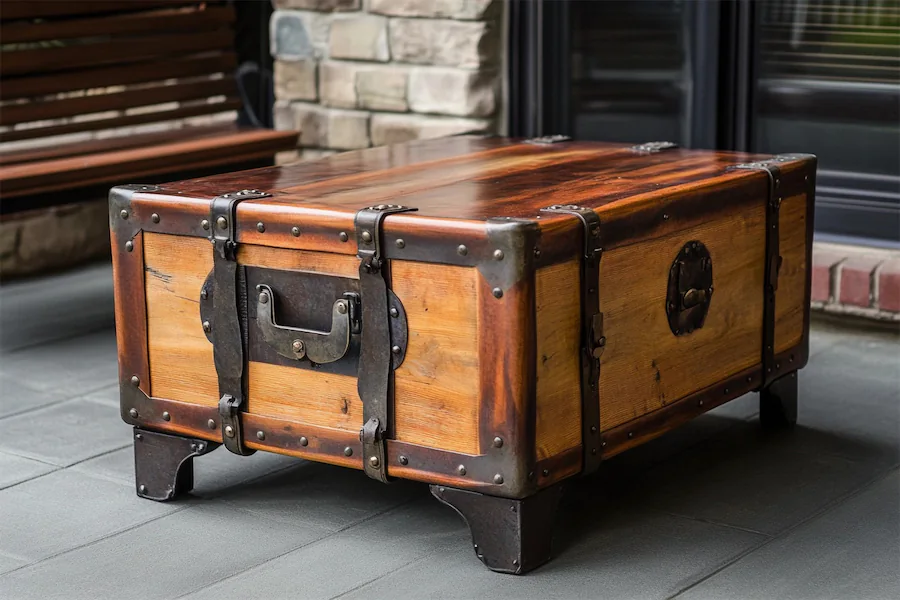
(293, 342)
(693, 297)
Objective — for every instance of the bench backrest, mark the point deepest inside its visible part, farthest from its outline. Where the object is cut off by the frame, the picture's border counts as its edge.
(84, 65)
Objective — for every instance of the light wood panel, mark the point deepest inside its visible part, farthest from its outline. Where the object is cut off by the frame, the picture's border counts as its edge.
(436, 389)
(791, 295)
(339, 265)
(181, 358)
(645, 366)
(558, 310)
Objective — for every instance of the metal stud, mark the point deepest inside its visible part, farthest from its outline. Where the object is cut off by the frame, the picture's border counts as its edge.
(154, 217)
(261, 227)
(373, 461)
(295, 231)
(204, 224)
(124, 214)
(630, 434)
(297, 346)
(462, 250)
(545, 472)
(129, 246)
(665, 217)
(394, 312)
(401, 243)
(133, 413)
(498, 479)
(497, 292)
(304, 441)
(200, 447)
(348, 451)
(366, 236)
(206, 326)
(700, 403)
(498, 254)
(229, 431)
(135, 380)
(263, 298)
(222, 223)
(593, 429)
(461, 469)
(211, 424)
(498, 442)
(727, 390)
(138, 436)
(343, 236)
(403, 460)
(342, 308)
(142, 488)
(396, 349)
(204, 294)
(166, 416)
(260, 435)
(537, 252)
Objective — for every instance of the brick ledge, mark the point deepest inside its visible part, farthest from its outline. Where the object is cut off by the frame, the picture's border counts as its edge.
(856, 281)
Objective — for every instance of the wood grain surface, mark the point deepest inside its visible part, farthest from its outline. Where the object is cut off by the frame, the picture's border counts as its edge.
(789, 298)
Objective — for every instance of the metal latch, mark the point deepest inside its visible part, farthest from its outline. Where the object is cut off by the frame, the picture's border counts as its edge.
(593, 342)
(548, 139)
(653, 147)
(227, 335)
(690, 289)
(375, 372)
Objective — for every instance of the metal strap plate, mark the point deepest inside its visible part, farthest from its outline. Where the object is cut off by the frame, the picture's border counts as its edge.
(592, 340)
(227, 334)
(375, 374)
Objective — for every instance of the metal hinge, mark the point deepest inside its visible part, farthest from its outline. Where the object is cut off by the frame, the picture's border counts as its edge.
(653, 147)
(227, 335)
(593, 341)
(548, 139)
(375, 352)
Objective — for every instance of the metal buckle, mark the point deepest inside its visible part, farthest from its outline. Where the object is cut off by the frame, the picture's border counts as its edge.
(375, 377)
(593, 340)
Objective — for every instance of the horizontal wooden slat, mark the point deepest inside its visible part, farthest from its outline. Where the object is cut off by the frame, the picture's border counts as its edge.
(33, 9)
(38, 111)
(181, 112)
(112, 51)
(113, 167)
(192, 18)
(22, 87)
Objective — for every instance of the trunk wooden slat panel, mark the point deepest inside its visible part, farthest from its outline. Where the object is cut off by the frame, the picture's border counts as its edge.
(789, 299)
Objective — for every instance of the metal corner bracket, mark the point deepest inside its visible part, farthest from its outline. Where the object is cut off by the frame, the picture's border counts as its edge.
(375, 377)
(653, 147)
(592, 338)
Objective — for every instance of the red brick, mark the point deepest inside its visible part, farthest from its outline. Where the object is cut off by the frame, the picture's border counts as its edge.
(856, 280)
(889, 286)
(822, 264)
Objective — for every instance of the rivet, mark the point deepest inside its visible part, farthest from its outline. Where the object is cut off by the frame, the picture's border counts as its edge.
(343, 236)
(373, 461)
(498, 254)
(777, 365)
(769, 370)
(260, 435)
(545, 472)
(515, 563)
(211, 424)
(497, 292)
(129, 246)
(462, 250)
(791, 359)
(348, 451)
(206, 326)
(498, 442)
(342, 308)
(222, 223)
(304, 441)
(229, 431)
(194, 447)
(700, 403)
(297, 346)
(593, 429)
(135, 380)
(498, 479)
(166, 416)
(200, 447)
(749, 379)
(396, 349)
(204, 224)
(630, 434)
(603, 444)
(142, 488)
(204, 294)
(261, 227)
(295, 231)
(366, 236)
(134, 413)
(394, 312)
(594, 451)
(794, 375)
(154, 217)
(727, 390)
(138, 436)
(263, 298)
(537, 252)
(401, 243)
(665, 217)
(403, 460)
(124, 214)
(461, 469)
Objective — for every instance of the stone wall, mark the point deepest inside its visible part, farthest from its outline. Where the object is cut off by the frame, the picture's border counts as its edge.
(352, 74)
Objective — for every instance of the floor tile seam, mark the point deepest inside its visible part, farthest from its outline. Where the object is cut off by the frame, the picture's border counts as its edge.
(59, 467)
(35, 408)
(824, 510)
(63, 400)
(18, 453)
(219, 496)
(96, 541)
(300, 547)
(12, 485)
(66, 338)
(713, 522)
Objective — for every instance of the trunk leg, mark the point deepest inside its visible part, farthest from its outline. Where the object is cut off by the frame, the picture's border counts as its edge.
(778, 403)
(164, 464)
(509, 536)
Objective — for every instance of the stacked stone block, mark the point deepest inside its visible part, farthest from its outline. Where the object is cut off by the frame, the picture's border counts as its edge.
(352, 74)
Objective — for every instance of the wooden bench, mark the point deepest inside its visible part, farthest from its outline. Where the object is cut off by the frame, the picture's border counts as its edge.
(84, 83)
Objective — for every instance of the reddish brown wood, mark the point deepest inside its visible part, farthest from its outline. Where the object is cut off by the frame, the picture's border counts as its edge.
(29, 9)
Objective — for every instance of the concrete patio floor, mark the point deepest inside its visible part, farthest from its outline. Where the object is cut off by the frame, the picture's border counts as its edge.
(716, 509)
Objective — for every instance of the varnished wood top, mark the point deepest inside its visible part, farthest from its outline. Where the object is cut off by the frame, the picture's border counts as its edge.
(474, 177)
